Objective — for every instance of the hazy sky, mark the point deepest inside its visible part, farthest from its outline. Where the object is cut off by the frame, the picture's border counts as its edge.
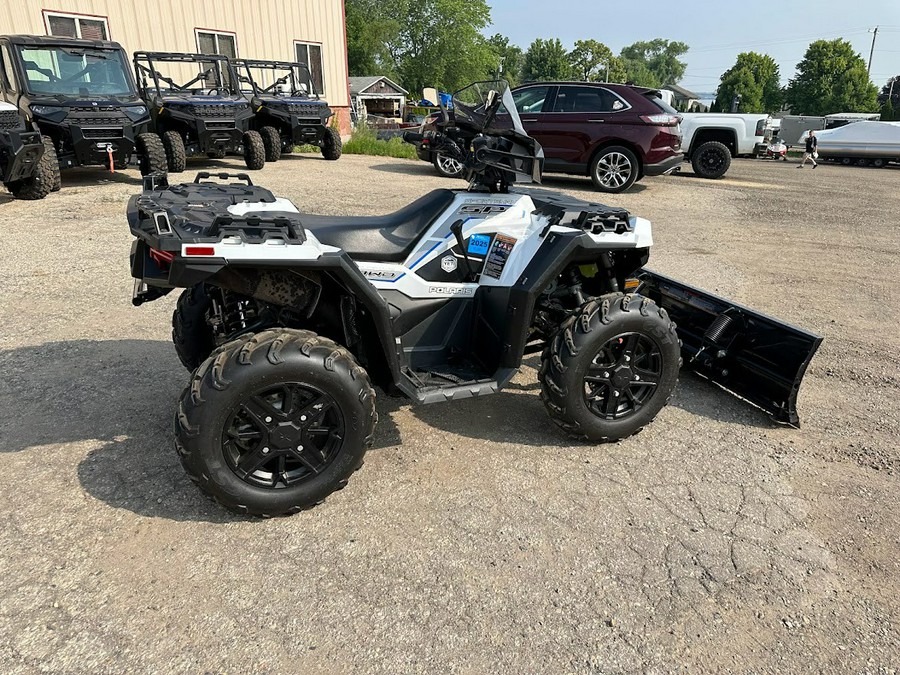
(716, 30)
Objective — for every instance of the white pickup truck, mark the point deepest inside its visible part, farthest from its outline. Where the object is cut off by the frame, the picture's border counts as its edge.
(710, 140)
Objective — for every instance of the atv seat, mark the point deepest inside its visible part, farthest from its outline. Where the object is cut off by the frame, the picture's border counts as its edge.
(389, 238)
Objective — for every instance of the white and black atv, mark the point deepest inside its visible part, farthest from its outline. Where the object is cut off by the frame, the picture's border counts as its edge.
(289, 319)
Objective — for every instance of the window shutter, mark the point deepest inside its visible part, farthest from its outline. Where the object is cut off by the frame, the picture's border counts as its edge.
(92, 30)
(62, 26)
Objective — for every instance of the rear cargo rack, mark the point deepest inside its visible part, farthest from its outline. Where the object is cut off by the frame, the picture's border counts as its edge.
(224, 175)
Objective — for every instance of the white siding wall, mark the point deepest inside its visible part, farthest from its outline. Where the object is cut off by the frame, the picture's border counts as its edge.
(265, 29)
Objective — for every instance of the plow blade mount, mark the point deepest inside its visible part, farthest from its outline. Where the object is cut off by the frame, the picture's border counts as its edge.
(754, 356)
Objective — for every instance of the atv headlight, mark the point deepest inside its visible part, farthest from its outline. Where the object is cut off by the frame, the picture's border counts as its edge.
(54, 113)
(135, 112)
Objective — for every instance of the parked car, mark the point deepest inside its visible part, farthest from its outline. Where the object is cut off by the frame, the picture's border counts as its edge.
(614, 133)
(710, 140)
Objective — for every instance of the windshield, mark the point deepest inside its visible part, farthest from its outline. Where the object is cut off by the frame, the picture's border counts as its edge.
(75, 71)
(177, 75)
(470, 106)
(277, 80)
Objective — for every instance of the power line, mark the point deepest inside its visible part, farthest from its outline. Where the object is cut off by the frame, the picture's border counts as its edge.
(780, 41)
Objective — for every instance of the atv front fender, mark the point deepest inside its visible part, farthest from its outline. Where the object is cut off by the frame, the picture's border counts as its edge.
(752, 355)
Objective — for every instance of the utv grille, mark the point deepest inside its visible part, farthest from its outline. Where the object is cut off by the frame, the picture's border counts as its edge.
(9, 119)
(220, 125)
(217, 110)
(306, 109)
(98, 121)
(100, 132)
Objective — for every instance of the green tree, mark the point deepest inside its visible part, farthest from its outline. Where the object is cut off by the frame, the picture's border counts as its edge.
(891, 90)
(546, 60)
(756, 79)
(831, 78)
(508, 59)
(592, 61)
(425, 43)
(369, 30)
(654, 63)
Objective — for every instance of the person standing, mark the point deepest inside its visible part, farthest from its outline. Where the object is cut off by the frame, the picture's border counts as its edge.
(812, 149)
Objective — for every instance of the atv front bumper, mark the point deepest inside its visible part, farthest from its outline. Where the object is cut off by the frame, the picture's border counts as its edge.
(752, 355)
(20, 152)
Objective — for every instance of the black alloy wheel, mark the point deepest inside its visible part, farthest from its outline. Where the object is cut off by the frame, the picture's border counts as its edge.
(283, 435)
(623, 376)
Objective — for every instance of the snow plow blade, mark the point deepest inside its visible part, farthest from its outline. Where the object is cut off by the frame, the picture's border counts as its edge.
(754, 356)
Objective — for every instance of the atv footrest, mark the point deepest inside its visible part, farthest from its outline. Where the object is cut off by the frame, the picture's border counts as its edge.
(447, 384)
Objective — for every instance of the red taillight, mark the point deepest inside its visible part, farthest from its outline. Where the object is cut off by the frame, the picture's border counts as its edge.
(199, 250)
(661, 120)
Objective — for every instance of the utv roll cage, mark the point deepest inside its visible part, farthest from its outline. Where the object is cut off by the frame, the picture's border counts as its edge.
(299, 75)
(219, 67)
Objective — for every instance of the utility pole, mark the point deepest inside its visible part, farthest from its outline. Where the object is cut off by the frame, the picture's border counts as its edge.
(872, 51)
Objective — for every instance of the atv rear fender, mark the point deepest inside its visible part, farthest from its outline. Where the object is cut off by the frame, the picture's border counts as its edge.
(750, 354)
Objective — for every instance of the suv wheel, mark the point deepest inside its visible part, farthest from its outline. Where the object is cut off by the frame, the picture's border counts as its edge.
(614, 169)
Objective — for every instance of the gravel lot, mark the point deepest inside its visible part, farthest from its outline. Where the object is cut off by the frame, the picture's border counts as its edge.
(476, 537)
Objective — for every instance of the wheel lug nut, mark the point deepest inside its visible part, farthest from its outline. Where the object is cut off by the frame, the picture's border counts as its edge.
(268, 419)
(265, 451)
(637, 377)
(605, 374)
(627, 358)
(299, 448)
(302, 418)
(615, 393)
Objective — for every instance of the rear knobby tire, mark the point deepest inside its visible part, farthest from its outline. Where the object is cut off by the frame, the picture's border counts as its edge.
(711, 160)
(40, 183)
(191, 333)
(151, 154)
(617, 399)
(231, 435)
(272, 142)
(176, 157)
(254, 150)
(331, 144)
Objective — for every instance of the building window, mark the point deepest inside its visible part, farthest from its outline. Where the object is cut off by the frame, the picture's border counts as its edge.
(217, 42)
(82, 26)
(310, 55)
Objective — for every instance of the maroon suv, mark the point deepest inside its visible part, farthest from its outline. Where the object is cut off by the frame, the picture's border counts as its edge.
(614, 133)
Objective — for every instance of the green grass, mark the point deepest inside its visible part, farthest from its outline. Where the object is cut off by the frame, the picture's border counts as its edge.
(365, 142)
(307, 148)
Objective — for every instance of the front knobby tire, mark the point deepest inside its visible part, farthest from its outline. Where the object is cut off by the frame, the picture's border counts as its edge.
(273, 423)
(610, 368)
(191, 333)
(272, 142)
(332, 146)
(43, 180)
(151, 154)
(254, 150)
(176, 155)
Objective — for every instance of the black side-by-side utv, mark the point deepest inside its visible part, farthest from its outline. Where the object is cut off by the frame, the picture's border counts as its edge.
(288, 109)
(203, 114)
(25, 169)
(80, 95)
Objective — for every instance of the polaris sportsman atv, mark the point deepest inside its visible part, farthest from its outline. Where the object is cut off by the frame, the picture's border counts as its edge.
(289, 319)
(288, 111)
(25, 169)
(206, 114)
(79, 94)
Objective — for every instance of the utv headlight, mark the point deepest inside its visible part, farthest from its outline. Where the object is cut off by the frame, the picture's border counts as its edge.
(135, 112)
(54, 113)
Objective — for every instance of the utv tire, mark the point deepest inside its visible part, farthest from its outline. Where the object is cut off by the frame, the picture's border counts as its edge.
(448, 167)
(40, 183)
(151, 154)
(331, 144)
(614, 169)
(272, 141)
(711, 160)
(217, 154)
(191, 334)
(254, 150)
(52, 164)
(176, 157)
(610, 368)
(273, 423)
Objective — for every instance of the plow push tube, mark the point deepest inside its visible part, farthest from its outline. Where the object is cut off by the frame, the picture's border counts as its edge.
(754, 356)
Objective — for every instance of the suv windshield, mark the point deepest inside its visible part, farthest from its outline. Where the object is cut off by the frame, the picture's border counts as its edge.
(75, 71)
